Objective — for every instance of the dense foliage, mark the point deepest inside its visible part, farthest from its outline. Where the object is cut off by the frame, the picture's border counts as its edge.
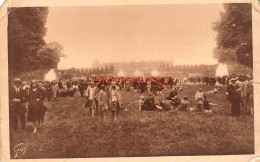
(235, 32)
(27, 50)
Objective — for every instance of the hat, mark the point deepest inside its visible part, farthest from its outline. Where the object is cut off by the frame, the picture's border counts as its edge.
(233, 79)
(113, 83)
(17, 80)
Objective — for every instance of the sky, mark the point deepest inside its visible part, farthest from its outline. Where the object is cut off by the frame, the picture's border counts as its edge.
(181, 33)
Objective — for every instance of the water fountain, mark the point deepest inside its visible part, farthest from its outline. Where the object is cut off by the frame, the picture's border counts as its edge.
(222, 70)
(50, 76)
(138, 73)
(155, 72)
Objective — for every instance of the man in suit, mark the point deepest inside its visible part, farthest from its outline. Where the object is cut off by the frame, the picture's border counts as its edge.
(234, 96)
(17, 108)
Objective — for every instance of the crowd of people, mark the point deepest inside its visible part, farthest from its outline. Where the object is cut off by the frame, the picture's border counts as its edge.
(103, 95)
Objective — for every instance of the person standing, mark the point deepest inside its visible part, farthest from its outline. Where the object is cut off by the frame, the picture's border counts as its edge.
(250, 95)
(35, 106)
(234, 96)
(140, 103)
(54, 88)
(42, 103)
(48, 91)
(81, 87)
(115, 99)
(142, 87)
(242, 82)
(91, 95)
(17, 108)
(103, 101)
(149, 86)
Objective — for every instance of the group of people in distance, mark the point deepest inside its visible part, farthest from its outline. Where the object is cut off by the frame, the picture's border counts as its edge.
(104, 95)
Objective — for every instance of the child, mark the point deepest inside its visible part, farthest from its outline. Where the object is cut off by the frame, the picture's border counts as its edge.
(140, 103)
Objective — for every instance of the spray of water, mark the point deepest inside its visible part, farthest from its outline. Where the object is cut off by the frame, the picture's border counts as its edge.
(137, 73)
(50, 76)
(155, 73)
(121, 73)
(222, 70)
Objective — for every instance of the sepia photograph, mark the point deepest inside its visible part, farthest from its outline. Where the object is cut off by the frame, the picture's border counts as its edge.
(130, 80)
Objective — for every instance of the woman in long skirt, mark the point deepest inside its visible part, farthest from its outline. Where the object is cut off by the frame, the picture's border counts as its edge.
(35, 106)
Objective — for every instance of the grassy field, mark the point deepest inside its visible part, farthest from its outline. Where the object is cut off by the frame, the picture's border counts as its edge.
(70, 132)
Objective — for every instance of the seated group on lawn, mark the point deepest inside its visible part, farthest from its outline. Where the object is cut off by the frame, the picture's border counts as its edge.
(172, 102)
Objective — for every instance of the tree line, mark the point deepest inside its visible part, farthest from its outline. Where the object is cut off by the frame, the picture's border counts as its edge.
(189, 68)
(88, 71)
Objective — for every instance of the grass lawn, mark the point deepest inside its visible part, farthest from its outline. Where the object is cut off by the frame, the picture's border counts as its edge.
(70, 132)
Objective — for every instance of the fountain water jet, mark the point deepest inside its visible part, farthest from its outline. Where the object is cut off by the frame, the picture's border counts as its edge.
(222, 70)
(50, 76)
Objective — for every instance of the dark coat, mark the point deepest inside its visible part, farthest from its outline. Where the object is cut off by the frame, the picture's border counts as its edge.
(36, 108)
(234, 95)
(149, 104)
(17, 107)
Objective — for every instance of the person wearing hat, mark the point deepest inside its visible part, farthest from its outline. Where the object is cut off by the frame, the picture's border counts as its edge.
(91, 94)
(234, 96)
(242, 83)
(115, 99)
(17, 99)
(35, 105)
(103, 101)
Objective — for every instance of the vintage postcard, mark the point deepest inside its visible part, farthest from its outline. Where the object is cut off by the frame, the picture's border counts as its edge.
(113, 80)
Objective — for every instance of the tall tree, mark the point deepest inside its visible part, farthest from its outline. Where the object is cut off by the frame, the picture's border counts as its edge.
(102, 71)
(235, 32)
(106, 69)
(27, 50)
(111, 69)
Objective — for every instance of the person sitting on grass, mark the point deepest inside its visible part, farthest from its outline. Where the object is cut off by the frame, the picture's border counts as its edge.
(149, 103)
(176, 102)
(207, 105)
(214, 91)
(184, 104)
(199, 99)
(172, 94)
